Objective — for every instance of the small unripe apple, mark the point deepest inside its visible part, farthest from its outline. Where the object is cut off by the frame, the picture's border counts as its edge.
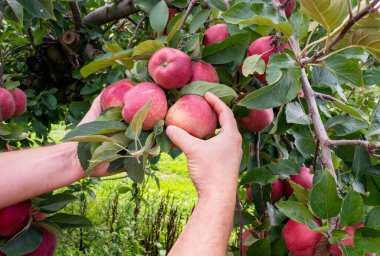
(305, 179)
(257, 120)
(19, 98)
(275, 194)
(289, 8)
(7, 104)
(137, 97)
(202, 71)
(299, 239)
(215, 34)
(13, 218)
(170, 68)
(47, 245)
(113, 95)
(193, 114)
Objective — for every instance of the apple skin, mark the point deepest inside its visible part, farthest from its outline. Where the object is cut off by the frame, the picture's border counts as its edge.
(289, 8)
(299, 239)
(262, 46)
(7, 104)
(170, 68)
(112, 96)
(275, 194)
(257, 120)
(137, 97)
(47, 245)
(202, 71)
(244, 236)
(193, 114)
(215, 34)
(305, 179)
(19, 98)
(13, 218)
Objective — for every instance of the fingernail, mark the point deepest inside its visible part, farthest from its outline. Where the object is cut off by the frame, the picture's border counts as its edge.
(169, 129)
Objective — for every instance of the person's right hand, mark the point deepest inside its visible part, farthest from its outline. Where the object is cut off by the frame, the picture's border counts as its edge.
(213, 164)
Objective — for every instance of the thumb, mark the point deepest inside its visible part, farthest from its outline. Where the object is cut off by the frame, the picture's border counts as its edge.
(181, 138)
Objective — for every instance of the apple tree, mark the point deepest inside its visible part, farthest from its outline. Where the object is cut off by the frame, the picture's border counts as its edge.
(300, 76)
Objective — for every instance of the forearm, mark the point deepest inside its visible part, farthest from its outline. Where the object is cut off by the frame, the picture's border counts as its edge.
(209, 228)
(35, 171)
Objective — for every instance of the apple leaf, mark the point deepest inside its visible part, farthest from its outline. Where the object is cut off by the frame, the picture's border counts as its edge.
(159, 16)
(134, 129)
(367, 239)
(39, 8)
(352, 209)
(253, 64)
(373, 218)
(368, 39)
(297, 212)
(146, 49)
(64, 220)
(295, 114)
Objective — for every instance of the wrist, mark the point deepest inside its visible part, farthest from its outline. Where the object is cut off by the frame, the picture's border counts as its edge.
(72, 156)
(220, 195)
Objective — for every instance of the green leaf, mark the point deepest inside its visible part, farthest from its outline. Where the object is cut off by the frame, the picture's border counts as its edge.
(56, 202)
(329, 14)
(135, 126)
(373, 218)
(275, 216)
(260, 248)
(26, 242)
(361, 162)
(224, 92)
(284, 167)
(352, 209)
(146, 5)
(39, 8)
(273, 95)
(347, 70)
(253, 64)
(232, 49)
(199, 20)
(300, 192)
(218, 4)
(295, 114)
(64, 220)
(300, 25)
(144, 50)
(371, 76)
(159, 16)
(173, 25)
(14, 11)
(259, 175)
(324, 200)
(368, 39)
(354, 112)
(367, 239)
(374, 128)
(95, 128)
(50, 101)
(297, 212)
(111, 114)
(258, 14)
(342, 125)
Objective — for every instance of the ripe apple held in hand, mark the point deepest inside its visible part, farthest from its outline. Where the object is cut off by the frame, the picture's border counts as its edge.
(19, 98)
(193, 114)
(305, 179)
(137, 97)
(13, 218)
(215, 34)
(202, 71)
(113, 95)
(289, 7)
(170, 68)
(257, 120)
(299, 239)
(47, 245)
(7, 104)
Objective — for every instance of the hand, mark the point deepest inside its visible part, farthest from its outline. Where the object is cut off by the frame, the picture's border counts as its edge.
(213, 164)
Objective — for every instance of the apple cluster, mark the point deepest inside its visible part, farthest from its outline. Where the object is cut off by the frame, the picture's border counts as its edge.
(12, 103)
(14, 218)
(170, 69)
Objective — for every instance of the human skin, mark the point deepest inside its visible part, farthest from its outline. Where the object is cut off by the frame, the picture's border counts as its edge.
(32, 172)
(213, 166)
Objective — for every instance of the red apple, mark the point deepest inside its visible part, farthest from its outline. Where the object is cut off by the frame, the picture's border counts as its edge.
(170, 68)
(289, 8)
(248, 192)
(305, 179)
(299, 239)
(7, 104)
(19, 98)
(172, 12)
(202, 71)
(193, 114)
(257, 120)
(113, 95)
(215, 34)
(244, 236)
(275, 194)
(13, 218)
(47, 245)
(137, 97)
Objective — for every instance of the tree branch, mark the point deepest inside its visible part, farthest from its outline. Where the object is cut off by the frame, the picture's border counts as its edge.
(136, 30)
(368, 9)
(362, 143)
(76, 15)
(188, 10)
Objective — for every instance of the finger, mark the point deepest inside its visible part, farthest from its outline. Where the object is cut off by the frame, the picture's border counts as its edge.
(225, 115)
(181, 138)
(94, 111)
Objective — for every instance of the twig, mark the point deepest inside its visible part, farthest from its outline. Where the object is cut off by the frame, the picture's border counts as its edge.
(362, 143)
(241, 224)
(316, 152)
(136, 30)
(187, 13)
(76, 15)
(325, 97)
(369, 8)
